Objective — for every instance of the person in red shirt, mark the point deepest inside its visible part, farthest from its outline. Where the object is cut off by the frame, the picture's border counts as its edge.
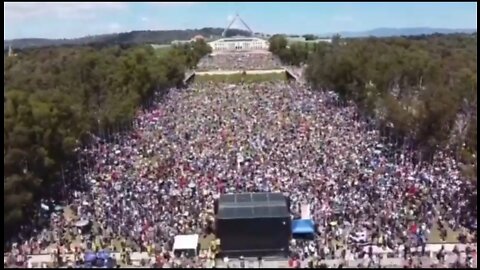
(290, 263)
(159, 260)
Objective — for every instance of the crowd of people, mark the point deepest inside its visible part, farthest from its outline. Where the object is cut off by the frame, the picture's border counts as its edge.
(161, 178)
(239, 61)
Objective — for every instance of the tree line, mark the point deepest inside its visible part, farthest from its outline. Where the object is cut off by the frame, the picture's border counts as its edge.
(422, 89)
(127, 38)
(55, 97)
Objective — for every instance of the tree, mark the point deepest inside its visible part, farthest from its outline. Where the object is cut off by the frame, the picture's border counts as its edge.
(295, 54)
(55, 97)
(310, 37)
(336, 39)
(421, 86)
(277, 44)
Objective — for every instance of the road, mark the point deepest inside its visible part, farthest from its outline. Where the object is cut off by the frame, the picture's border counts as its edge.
(136, 257)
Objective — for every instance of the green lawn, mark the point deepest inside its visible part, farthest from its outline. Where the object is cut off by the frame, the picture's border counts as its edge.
(236, 78)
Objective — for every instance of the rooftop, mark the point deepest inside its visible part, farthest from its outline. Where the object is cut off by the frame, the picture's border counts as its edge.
(252, 205)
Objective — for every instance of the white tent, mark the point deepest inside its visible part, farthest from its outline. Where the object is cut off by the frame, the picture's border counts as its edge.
(187, 243)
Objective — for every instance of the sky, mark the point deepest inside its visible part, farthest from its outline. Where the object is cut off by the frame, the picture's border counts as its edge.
(77, 19)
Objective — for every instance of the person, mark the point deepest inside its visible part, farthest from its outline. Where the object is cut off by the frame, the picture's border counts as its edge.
(128, 257)
(226, 261)
(310, 263)
(29, 262)
(123, 256)
(242, 262)
(441, 255)
(455, 250)
(469, 261)
(371, 263)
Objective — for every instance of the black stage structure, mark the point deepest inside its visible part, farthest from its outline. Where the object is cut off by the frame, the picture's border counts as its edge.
(253, 224)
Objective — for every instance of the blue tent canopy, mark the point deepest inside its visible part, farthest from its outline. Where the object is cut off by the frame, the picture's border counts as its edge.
(303, 226)
(110, 263)
(90, 256)
(104, 254)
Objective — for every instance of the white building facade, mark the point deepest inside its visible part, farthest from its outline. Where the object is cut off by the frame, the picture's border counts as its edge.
(239, 44)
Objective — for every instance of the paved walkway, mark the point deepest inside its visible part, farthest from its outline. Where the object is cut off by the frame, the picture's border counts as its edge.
(386, 262)
(136, 257)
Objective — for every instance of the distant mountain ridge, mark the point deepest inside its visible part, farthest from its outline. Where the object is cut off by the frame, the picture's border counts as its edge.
(415, 31)
(128, 38)
(167, 36)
